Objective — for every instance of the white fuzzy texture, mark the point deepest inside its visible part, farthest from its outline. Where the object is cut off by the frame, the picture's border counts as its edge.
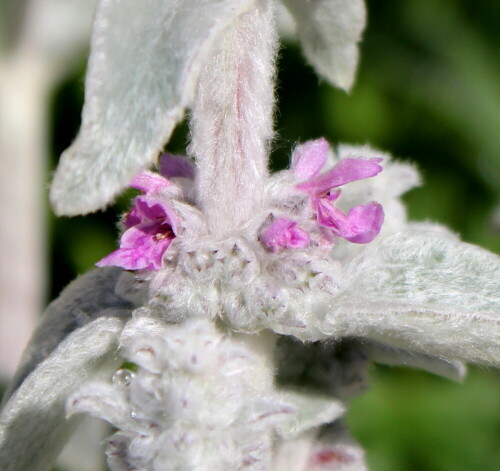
(145, 61)
(423, 291)
(292, 455)
(329, 31)
(202, 395)
(232, 120)
(238, 280)
(199, 400)
(312, 409)
(33, 427)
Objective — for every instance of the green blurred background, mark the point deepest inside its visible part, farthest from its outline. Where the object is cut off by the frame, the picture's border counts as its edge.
(428, 91)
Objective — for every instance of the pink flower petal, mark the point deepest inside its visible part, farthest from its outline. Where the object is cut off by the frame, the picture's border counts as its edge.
(363, 223)
(149, 182)
(367, 221)
(137, 236)
(333, 218)
(346, 171)
(309, 158)
(360, 226)
(145, 209)
(150, 227)
(129, 259)
(141, 246)
(133, 217)
(172, 166)
(149, 208)
(284, 233)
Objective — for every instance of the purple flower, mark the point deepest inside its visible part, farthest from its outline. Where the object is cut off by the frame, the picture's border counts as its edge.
(362, 223)
(284, 233)
(150, 224)
(148, 235)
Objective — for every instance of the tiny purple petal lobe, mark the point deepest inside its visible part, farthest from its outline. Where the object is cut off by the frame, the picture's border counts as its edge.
(309, 158)
(360, 226)
(333, 195)
(172, 166)
(367, 221)
(150, 208)
(284, 233)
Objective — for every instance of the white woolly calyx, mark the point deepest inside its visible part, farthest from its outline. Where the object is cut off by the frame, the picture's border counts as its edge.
(276, 270)
(196, 398)
(238, 280)
(280, 268)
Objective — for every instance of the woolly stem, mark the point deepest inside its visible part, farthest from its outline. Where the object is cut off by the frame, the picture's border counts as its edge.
(231, 120)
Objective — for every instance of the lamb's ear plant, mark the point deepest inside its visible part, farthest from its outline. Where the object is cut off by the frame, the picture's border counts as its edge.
(255, 302)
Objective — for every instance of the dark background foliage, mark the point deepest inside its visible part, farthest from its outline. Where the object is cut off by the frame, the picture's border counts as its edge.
(428, 91)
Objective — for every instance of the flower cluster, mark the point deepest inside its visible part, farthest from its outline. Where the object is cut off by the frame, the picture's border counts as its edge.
(363, 222)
